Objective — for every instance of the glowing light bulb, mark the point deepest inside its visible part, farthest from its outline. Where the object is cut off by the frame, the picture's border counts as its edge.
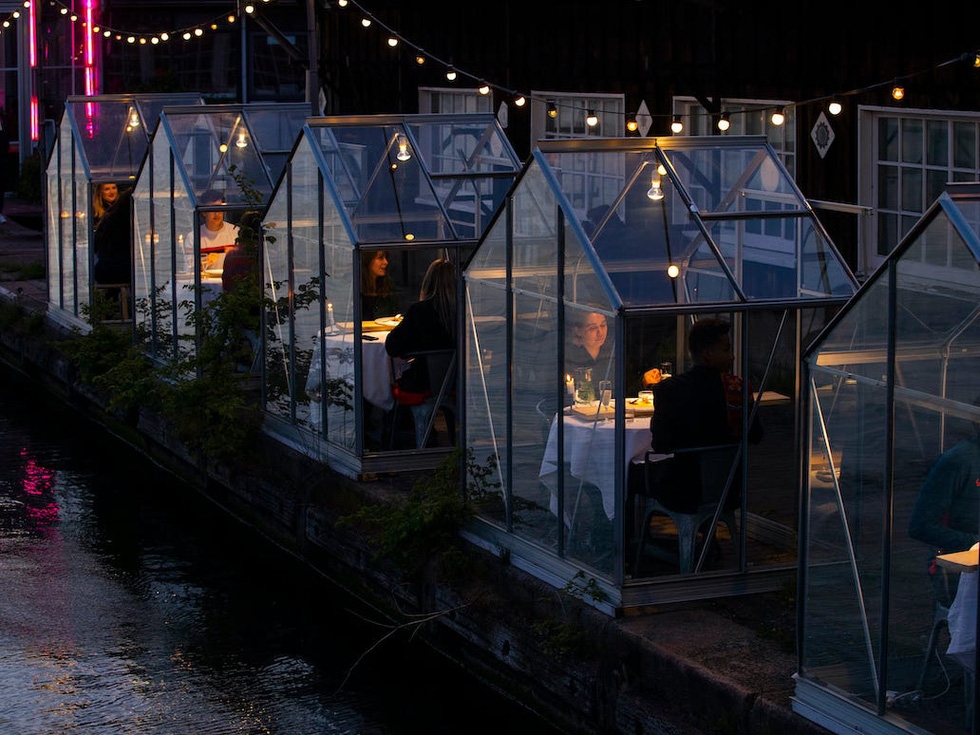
(835, 107)
(419, 59)
(403, 154)
(393, 42)
(552, 110)
(451, 74)
(777, 118)
(631, 124)
(898, 92)
(342, 3)
(134, 119)
(591, 119)
(655, 192)
(223, 148)
(520, 100)
(242, 142)
(199, 32)
(484, 88)
(409, 236)
(366, 22)
(673, 271)
(723, 122)
(164, 36)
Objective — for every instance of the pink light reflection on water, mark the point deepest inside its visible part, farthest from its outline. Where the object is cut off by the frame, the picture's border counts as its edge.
(38, 484)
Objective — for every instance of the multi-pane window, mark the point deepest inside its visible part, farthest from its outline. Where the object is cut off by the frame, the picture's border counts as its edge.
(441, 100)
(563, 115)
(747, 117)
(909, 156)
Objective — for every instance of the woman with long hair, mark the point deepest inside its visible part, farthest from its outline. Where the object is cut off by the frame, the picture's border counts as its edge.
(377, 293)
(429, 324)
(106, 195)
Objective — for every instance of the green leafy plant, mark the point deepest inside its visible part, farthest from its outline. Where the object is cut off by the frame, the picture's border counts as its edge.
(426, 526)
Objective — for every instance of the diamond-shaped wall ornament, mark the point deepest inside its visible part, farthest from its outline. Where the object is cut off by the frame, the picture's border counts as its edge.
(644, 120)
(822, 134)
(502, 114)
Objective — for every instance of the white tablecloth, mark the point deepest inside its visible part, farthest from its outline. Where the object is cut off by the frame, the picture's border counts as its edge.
(375, 365)
(590, 452)
(962, 621)
(210, 289)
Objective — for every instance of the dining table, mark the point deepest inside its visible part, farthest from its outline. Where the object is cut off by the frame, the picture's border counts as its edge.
(376, 366)
(589, 451)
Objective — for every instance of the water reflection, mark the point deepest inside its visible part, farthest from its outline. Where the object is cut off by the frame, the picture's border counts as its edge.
(131, 605)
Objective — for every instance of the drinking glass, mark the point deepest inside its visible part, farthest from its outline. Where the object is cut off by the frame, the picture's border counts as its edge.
(605, 392)
(584, 391)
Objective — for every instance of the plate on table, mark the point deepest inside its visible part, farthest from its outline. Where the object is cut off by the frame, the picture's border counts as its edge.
(639, 408)
(389, 321)
(369, 326)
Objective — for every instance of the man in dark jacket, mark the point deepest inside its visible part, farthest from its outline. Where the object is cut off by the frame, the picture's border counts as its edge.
(701, 407)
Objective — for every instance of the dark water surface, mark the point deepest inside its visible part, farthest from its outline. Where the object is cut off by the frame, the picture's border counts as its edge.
(129, 604)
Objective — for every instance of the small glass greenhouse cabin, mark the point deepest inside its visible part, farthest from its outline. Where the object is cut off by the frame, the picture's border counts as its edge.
(606, 253)
(207, 166)
(364, 205)
(101, 140)
(887, 605)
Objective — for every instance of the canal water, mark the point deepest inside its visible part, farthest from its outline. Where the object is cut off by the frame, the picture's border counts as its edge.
(130, 604)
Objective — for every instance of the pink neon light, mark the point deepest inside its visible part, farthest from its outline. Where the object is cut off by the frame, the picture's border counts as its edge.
(89, 47)
(35, 127)
(32, 35)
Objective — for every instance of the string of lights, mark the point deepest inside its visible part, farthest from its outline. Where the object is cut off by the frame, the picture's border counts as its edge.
(453, 73)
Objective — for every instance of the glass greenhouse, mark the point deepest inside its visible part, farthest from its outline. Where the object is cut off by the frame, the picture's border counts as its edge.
(888, 585)
(207, 167)
(102, 140)
(618, 246)
(361, 193)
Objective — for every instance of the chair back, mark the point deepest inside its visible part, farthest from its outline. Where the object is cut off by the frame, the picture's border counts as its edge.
(717, 465)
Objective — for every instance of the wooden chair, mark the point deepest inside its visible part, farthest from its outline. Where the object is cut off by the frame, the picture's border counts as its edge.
(717, 469)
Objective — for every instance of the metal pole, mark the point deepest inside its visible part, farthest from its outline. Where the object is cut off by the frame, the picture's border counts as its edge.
(244, 44)
(312, 75)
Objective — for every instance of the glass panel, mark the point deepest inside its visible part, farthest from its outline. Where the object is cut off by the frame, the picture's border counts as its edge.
(586, 484)
(475, 149)
(280, 392)
(888, 139)
(912, 142)
(113, 146)
(383, 185)
(487, 404)
(158, 285)
(822, 270)
(843, 599)
(937, 137)
(965, 145)
(276, 130)
(209, 144)
(888, 187)
(633, 241)
(912, 189)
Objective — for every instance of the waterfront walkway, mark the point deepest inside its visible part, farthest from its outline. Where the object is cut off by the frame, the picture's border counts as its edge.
(710, 666)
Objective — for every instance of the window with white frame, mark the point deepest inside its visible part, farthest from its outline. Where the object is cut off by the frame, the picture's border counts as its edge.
(747, 117)
(452, 100)
(562, 115)
(906, 159)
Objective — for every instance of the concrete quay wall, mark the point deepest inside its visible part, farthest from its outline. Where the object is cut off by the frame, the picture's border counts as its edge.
(677, 670)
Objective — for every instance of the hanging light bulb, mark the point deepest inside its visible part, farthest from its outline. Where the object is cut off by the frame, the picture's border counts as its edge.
(655, 193)
(661, 170)
(403, 154)
(484, 88)
(198, 32)
(451, 74)
(778, 117)
(366, 22)
(835, 107)
(242, 142)
(723, 122)
(673, 271)
(223, 148)
(392, 41)
(898, 91)
(164, 36)
(342, 3)
(552, 110)
(419, 59)
(591, 119)
(631, 124)
(134, 118)
(520, 100)
(676, 125)
(976, 61)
